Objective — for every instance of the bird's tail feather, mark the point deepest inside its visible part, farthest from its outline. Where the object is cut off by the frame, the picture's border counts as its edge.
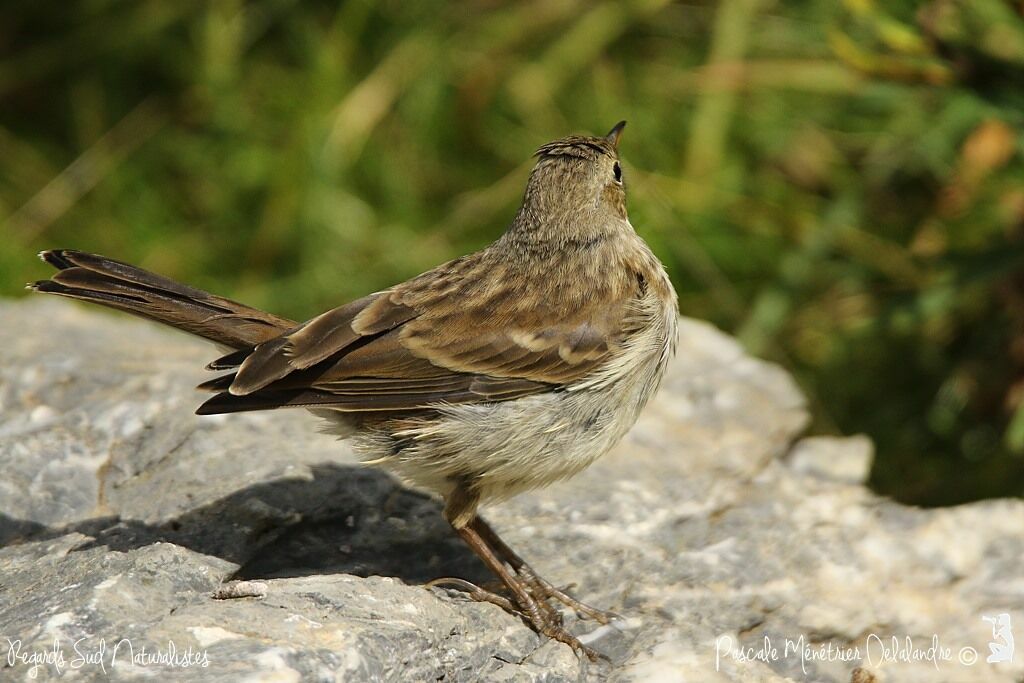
(90, 277)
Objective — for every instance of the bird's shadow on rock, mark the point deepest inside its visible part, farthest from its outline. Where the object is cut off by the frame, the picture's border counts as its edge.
(345, 519)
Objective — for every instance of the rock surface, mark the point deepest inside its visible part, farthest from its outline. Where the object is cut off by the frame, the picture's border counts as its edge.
(713, 526)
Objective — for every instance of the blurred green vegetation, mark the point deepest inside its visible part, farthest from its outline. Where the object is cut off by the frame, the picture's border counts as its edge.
(840, 184)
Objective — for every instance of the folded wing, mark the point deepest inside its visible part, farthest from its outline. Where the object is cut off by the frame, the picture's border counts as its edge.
(432, 340)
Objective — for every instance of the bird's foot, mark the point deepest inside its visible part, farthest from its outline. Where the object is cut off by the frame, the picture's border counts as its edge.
(544, 591)
(476, 592)
(535, 610)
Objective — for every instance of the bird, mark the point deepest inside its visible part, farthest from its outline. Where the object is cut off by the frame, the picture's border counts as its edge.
(496, 373)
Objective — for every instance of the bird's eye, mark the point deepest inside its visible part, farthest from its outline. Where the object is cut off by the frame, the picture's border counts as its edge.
(617, 170)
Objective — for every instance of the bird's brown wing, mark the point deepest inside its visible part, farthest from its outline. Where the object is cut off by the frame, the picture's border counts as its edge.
(421, 344)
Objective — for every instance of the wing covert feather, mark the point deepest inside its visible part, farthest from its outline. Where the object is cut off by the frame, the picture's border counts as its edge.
(421, 343)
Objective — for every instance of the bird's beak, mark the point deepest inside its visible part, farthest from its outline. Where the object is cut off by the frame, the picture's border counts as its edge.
(615, 133)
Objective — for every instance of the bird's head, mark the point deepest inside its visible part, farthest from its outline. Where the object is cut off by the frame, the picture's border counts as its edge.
(577, 184)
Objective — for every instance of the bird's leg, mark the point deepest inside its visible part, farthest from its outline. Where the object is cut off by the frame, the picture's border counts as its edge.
(460, 511)
(541, 588)
(531, 609)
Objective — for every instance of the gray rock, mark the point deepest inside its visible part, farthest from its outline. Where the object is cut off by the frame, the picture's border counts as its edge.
(845, 460)
(122, 515)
